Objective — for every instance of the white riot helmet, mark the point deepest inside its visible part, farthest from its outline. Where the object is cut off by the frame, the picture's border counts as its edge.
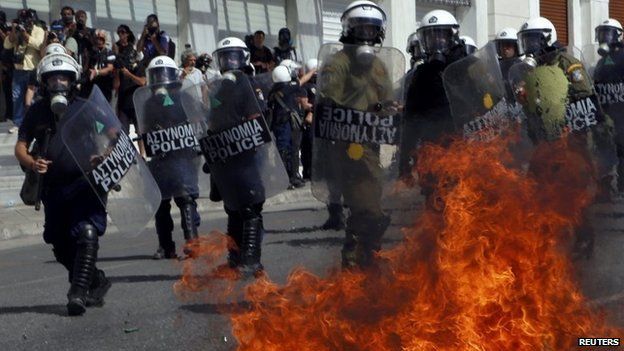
(505, 40)
(57, 63)
(161, 71)
(438, 32)
(293, 67)
(363, 22)
(609, 32)
(414, 47)
(536, 34)
(232, 54)
(280, 74)
(55, 48)
(311, 64)
(57, 73)
(469, 44)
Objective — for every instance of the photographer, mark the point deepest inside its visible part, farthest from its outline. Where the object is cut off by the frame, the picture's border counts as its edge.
(153, 41)
(85, 37)
(100, 70)
(24, 40)
(203, 62)
(129, 75)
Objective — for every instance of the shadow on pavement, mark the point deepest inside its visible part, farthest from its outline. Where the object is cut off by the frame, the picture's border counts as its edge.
(125, 258)
(58, 310)
(219, 308)
(143, 278)
(315, 228)
(329, 241)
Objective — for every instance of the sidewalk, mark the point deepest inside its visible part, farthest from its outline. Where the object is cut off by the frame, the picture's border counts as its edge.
(18, 221)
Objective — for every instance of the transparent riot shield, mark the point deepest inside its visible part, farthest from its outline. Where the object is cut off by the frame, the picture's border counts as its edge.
(235, 141)
(476, 92)
(558, 96)
(264, 82)
(558, 99)
(591, 57)
(357, 125)
(169, 139)
(110, 162)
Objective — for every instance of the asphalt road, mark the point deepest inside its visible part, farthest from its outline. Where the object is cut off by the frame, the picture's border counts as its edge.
(143, 313)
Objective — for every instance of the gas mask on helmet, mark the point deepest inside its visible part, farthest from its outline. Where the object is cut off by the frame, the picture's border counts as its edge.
(59, 87)
(437, 43)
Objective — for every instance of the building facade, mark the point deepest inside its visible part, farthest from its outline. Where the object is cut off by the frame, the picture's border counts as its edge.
(201, 23)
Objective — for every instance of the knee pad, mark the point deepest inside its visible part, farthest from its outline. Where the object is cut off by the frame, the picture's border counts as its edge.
(87, 234)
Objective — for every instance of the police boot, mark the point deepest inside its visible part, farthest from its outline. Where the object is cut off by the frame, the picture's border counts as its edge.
(369, 241)
(84, 269)
(251, 243)
(164, 230)
(336, 218)
(235, 231)
(189, 227)
(98, 289)
(348, 250)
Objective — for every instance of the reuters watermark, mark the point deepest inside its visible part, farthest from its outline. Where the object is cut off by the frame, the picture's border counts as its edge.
(596, 342)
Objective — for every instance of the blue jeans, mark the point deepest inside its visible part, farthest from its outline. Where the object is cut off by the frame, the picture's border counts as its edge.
(20, 83)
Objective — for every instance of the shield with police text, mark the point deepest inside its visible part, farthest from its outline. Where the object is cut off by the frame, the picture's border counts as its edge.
(477, 97)
(556, 98)
(169, 140)
(111, 164)
(236, 141)
(607, 70)
(357, 119)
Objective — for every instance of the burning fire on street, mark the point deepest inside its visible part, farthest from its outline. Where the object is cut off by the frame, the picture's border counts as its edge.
(490, 271)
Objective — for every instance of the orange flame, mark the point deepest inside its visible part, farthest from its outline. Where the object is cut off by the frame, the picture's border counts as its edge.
(486, 273)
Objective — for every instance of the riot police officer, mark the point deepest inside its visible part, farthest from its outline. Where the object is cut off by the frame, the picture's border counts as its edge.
(414, 48)
(609, 74)
(159, 109)
(563, 78)
(354, 78)
(508, 54)
(469, 44)
(427, 111)
(74, 216)
(245, 223)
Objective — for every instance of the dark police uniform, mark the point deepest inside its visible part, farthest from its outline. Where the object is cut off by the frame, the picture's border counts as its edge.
(74, 215)
(175, 173)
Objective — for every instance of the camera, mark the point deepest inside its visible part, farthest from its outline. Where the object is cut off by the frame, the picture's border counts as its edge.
(129, 61)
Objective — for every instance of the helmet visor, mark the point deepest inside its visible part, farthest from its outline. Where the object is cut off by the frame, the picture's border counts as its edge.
(531, 41)
(507, 48)
(607, 35)
(162, 75)
(437, 39)
(366, 29)
(58, 82)
(231, 59)
(470, 49)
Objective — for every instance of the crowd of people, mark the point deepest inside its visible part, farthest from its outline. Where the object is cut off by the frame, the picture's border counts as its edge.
(255, 106)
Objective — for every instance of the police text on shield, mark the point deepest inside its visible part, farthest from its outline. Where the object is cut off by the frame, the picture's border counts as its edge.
(236, 140)
(174, 138)
(116, 164)
(354, 126)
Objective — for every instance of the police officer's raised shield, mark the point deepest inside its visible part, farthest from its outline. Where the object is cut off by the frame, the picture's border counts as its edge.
(607, 71)
(236, 141)
(559, 98)
(357, 125)
(111, 164)
(476, 92)
(169, 140)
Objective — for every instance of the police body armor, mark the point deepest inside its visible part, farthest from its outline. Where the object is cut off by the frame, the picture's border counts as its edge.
(111, 164)
(236, 141)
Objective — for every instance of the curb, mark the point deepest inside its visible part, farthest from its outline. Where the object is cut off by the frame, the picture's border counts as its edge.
(30, 227)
